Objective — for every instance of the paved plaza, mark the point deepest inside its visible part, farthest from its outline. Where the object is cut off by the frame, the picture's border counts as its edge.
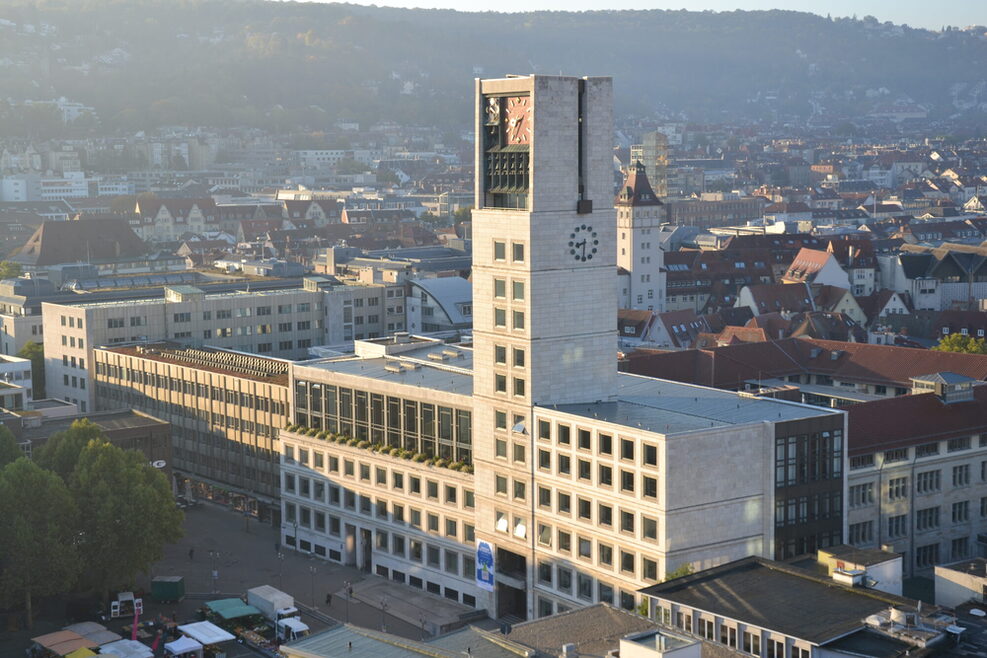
(243, 554)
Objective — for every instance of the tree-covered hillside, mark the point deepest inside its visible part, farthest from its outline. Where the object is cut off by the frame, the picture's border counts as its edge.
(143, 63)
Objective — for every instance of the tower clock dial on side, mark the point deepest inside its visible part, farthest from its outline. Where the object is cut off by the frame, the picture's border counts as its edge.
(583, 243)
(517, 120)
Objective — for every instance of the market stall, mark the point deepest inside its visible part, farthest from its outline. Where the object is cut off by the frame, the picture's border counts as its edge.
(62, 643)
(93, 631)
(127, 649)
(81, 652)
(184, 647)
(230, 609)
(209, 635)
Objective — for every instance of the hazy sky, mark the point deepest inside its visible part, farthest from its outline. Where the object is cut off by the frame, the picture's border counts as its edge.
(917, 13)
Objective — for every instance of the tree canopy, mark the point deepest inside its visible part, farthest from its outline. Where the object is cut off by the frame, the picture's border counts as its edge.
(38, 541)
(9, 450)
(9, 270)
(961, 343)
(86, 512)
(62, 449)
(126, 512)
(36, 353)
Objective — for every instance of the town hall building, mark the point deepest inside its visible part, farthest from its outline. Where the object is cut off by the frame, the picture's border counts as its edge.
(522, 474)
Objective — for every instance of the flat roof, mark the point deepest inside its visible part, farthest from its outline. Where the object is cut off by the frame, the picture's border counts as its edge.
(655, 405)
(109, 421)
(778, 598)
(865, 556)
(667, 407)
(869, 643)
(209, 359)
(975, 567)
(453, 375)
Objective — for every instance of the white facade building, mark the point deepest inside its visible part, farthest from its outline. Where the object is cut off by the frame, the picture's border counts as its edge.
(524, 475)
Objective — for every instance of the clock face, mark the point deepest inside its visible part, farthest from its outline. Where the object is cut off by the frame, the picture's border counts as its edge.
(583, 243)
(517, 120)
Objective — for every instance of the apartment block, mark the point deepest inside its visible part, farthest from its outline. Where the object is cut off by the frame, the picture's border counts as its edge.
(280, 323)
(917, 482)
(225, 410)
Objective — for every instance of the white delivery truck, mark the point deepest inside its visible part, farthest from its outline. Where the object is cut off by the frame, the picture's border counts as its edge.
(280, 610)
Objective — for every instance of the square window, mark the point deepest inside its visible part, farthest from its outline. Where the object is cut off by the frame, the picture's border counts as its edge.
(518, 357)
(517, 252)
(517, 290)
(500, 251)
(500, 317)
(500, 288)
(500, 354)
(518, 319)
(519, 453)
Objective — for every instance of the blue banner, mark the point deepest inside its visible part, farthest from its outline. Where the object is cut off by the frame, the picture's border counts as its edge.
(484, 566)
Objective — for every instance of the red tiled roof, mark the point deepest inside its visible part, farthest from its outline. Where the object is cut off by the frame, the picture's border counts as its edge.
(856, 362)
(910, 420)
(774, 297)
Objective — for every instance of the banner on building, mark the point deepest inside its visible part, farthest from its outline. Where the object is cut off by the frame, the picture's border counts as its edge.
(484, 566)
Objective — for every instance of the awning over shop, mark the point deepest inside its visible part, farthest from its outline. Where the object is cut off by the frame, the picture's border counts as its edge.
(232, 608)
(183, 645)
(64, 642)
(206, 632)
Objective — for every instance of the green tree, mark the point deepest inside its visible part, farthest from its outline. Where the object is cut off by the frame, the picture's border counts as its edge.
(684, 570)
(35, 352)
(9, 450)
(38, 539)
(127, 514)
(10, 270)
(61, 452)
(961, 343)
(464, 214)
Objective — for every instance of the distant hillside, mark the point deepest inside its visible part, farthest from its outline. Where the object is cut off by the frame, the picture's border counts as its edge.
(144, 63)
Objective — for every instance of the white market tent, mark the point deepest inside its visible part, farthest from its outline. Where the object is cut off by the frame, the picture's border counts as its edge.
(206, 633)
(183, 645)
(127, 649)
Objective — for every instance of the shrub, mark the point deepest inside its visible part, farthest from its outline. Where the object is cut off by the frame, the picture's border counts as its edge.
(312, 431)
(419, 457)
(363, 444)
(322, 435)
(441, 461)
(457, 466)
(352, 442)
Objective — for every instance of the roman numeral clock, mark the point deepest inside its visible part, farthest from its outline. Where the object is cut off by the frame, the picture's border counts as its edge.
(507, 140)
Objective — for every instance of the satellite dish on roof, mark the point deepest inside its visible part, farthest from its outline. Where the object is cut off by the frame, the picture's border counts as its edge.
(159, 463)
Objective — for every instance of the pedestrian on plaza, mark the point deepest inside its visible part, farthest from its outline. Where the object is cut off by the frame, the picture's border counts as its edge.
(191, 554)
(329, 599)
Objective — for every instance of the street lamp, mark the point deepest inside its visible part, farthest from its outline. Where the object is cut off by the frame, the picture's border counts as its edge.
(421, 619)
(280, 570)
(349, 590)
(312, 570)
(295, 523)
(214, 557)
(383, 614)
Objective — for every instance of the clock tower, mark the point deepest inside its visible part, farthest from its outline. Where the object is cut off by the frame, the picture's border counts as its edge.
(544, 284)
(544, 293)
